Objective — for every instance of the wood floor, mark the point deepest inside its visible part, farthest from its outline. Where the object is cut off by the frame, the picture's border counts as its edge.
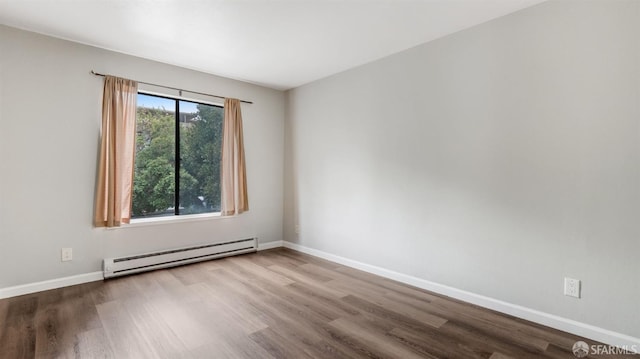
(272, 304)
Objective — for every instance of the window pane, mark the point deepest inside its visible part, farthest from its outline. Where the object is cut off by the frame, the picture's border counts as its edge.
(200, 144)
(154, 176)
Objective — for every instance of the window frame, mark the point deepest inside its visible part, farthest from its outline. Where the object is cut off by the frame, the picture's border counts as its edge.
(176, 216)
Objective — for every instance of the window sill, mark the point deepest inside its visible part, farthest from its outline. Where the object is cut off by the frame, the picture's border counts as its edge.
(142, 222)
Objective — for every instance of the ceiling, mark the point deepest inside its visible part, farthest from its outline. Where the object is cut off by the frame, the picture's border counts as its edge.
(276, 43)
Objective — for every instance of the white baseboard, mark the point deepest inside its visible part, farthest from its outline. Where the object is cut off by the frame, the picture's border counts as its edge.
(270, 245)
(567, 325)
(49, 284)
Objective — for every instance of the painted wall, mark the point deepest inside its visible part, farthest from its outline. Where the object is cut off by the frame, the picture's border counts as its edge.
(50, 110)
(497, 160)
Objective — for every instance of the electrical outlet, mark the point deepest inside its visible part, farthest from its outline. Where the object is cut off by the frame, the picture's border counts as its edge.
(297, 229)
(67, 254)
(572, 287)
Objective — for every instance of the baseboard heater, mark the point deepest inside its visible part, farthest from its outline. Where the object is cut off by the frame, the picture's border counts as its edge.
(114, 267)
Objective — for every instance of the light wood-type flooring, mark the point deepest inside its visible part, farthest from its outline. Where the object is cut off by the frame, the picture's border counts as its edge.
(271, 304)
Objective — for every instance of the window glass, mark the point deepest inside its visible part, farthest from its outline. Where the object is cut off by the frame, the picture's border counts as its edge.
(200, 145)
(176, 136)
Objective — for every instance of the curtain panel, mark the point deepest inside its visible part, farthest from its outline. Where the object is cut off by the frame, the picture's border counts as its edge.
(233, 172)
(117, 151)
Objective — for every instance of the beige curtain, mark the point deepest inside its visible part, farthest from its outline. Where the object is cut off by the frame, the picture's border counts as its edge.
(233, 172)
(117, 150)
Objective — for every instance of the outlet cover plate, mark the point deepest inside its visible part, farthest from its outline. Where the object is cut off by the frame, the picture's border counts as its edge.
(572, 287)
(66, 254)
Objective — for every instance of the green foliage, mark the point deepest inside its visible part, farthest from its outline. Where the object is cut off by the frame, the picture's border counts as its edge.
(200, 145)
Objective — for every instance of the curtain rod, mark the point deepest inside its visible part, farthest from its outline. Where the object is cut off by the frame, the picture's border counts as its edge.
(173, 88)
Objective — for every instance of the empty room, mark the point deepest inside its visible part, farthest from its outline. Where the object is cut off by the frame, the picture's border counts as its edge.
(320, 179)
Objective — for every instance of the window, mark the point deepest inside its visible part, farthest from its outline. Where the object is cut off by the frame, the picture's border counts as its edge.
(177, 164)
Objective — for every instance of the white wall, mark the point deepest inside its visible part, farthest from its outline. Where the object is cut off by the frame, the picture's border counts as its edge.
(497, 160)
(49, 136)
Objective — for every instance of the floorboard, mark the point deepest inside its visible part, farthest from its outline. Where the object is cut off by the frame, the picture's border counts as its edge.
(272, 304)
